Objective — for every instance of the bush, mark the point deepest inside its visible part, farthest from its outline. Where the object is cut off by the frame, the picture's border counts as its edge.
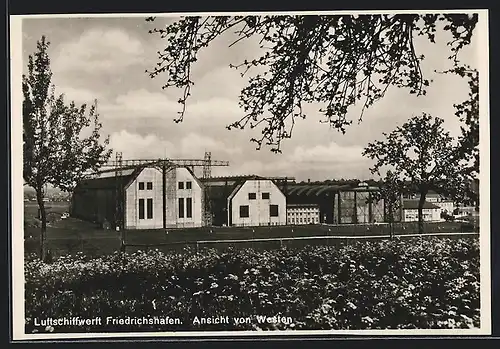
(407, 283)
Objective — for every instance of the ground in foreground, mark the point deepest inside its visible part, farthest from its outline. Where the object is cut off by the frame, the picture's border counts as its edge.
(402, 283)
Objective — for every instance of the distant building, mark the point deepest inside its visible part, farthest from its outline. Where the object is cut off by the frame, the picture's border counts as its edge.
(445, 205)
(320, 195)
(339, 203)
(298, 214)
(430, 213)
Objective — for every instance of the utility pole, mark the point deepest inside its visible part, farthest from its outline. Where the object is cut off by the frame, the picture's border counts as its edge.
(207, 173)
(164, 185)
(119, 199)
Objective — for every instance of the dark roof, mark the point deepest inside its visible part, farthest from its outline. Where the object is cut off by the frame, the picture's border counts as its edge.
(219, 192)
(108, 180)
(230, 178)
(221, 188)
(320, 189)
(302, 205)
(413, 204)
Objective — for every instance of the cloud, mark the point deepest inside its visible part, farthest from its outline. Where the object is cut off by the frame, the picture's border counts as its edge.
(194, 144)
(315, 162)
(151, 146)
(99, 50)
(78, 95)
(324, 154)
(142, 103)
(135, 146)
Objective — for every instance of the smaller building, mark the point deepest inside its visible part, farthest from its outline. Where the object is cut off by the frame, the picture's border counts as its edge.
(446, 206)
(255, 202)
(430, 213)
(245, 201)
(298, 214)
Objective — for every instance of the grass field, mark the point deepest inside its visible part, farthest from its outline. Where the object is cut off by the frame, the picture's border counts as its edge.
(68, 236)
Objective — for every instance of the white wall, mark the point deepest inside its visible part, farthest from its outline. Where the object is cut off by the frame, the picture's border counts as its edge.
(195, 193)
(447, 206)
(429, 215)
(173, 193)
(133, 194)
(302, 215)
(259, 211)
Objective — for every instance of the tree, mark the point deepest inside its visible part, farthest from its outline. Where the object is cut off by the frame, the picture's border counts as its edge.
(425, 156)
(468, 113)
(331, 60)
(54, 149)
(390, 192)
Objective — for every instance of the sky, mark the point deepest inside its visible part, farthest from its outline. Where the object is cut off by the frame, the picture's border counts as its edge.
(107, 58)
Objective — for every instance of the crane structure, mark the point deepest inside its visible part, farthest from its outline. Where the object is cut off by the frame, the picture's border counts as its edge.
(191, 163)
(119, 164)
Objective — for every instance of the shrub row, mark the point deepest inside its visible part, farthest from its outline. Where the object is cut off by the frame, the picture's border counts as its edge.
(390, 284)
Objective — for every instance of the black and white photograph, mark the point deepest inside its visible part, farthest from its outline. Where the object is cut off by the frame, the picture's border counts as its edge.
(250, 174)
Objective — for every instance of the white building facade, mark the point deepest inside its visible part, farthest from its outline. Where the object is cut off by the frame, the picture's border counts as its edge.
(146, 207)
(257, 202)
(445, 206)
(298, 214)
(430, 211)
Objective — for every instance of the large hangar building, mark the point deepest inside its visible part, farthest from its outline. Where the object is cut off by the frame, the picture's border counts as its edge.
(150, 199)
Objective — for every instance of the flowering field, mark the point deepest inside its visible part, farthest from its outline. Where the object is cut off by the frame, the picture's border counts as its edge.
(408, 283)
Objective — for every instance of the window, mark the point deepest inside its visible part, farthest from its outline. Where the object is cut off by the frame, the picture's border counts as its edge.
(181, 185)
(149, 208)
(141, 208)
(149, 185)
(189, 207)
(273, 210)
(244, 211)
(181, 207)
(252, 196)
(141, 185)
(188, 185)
(265, 196)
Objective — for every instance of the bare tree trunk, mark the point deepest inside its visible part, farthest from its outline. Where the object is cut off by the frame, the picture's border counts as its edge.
(421, 203)
(43, 218)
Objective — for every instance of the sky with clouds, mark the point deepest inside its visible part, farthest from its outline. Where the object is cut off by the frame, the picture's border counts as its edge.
(106, 58)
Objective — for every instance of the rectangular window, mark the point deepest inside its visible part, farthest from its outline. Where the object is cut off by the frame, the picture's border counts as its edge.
(149, 185)
(188, 185)
(141, 208)
(181, 185)
(141, 185)
(265, 196)
(189, 207)
(181, 207)
(149, 208)
(252, 196)
(244, 211)
(273, 210)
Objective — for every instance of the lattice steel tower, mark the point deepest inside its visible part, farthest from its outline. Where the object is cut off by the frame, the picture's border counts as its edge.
(207, 167)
